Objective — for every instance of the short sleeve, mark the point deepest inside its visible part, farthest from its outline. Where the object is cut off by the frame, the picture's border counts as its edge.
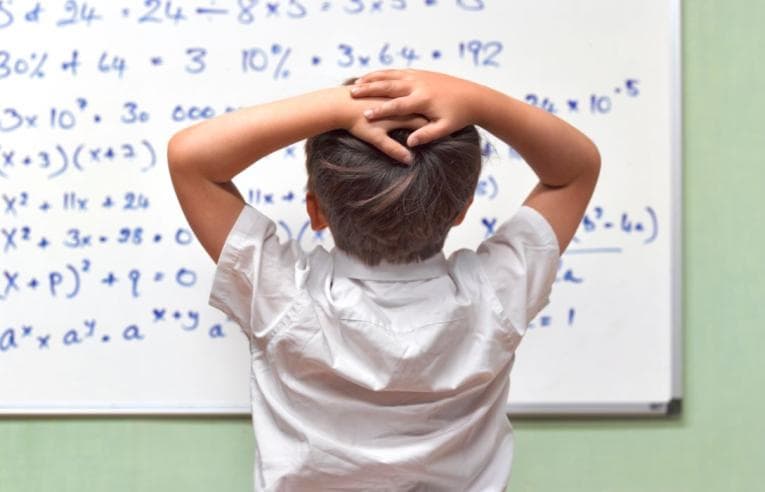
(520, 261)
(255, 277)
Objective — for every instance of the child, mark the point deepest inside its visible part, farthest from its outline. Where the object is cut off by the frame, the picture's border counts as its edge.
(383, 365)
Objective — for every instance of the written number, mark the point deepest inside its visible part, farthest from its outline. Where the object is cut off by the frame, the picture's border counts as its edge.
(128, 235)
(197, 63)
(154, 5)
(6, 17)
(133, 114)
(76, 13)
(481, 53)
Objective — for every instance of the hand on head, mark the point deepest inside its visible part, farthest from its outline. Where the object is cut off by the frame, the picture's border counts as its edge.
(376, 133)
(437, 104)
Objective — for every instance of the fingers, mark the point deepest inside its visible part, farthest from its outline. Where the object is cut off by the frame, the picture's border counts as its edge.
(411, 122)
(428, 133)
(381, 75)
(376, 134)
(385, 143)
(400, 106)
(389, 146)
(383, 88)
(414, 122)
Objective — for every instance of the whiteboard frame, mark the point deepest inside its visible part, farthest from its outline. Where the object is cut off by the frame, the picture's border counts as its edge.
(673, 404)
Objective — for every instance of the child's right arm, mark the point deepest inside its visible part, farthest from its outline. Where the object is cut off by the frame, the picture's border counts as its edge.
(565, 160)
(204, 158)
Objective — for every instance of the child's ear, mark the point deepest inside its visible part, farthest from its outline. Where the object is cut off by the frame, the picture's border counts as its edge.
(462, 214)
(318, 222)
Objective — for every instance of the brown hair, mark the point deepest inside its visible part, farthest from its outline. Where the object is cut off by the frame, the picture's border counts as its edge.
(379, 209)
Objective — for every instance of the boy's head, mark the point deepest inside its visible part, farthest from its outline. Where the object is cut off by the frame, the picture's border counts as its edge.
(379, 209)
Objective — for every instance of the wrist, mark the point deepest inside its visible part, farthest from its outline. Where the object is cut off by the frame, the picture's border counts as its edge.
(338, 106)
(483, 102)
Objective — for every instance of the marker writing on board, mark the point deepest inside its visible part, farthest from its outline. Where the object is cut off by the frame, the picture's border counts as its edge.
(94, 252)
(60, 159)
(91, 331)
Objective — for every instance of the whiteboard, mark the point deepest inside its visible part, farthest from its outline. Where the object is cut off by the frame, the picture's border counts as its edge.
(103, 290)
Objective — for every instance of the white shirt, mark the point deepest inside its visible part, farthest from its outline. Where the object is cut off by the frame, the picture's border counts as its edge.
(383, 378)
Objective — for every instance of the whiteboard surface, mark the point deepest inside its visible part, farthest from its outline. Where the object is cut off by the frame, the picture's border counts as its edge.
(103, 290)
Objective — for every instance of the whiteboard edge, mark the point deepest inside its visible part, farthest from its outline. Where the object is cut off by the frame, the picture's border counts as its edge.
(676, 389)
(628, 409)
(671, 407)
(63, 410)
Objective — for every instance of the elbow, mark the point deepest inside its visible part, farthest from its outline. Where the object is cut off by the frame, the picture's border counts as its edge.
(179, 153)
(592, 161)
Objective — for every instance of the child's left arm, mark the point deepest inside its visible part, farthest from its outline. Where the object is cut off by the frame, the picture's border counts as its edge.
(204, 158)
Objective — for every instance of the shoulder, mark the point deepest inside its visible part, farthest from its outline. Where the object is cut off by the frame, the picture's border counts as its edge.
(518, 263)
(258, 274)
(527, 228)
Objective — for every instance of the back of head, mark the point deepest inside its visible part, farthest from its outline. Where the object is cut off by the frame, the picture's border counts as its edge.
(379, 209)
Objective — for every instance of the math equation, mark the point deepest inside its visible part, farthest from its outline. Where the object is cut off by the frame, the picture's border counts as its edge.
(94, 250)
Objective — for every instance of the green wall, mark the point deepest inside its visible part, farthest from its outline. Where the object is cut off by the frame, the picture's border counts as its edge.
(717, 444)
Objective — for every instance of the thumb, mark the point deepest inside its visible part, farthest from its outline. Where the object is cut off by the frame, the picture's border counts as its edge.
(428, 133)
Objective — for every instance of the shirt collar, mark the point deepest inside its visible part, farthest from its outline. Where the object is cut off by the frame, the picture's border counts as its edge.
(348, 266)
